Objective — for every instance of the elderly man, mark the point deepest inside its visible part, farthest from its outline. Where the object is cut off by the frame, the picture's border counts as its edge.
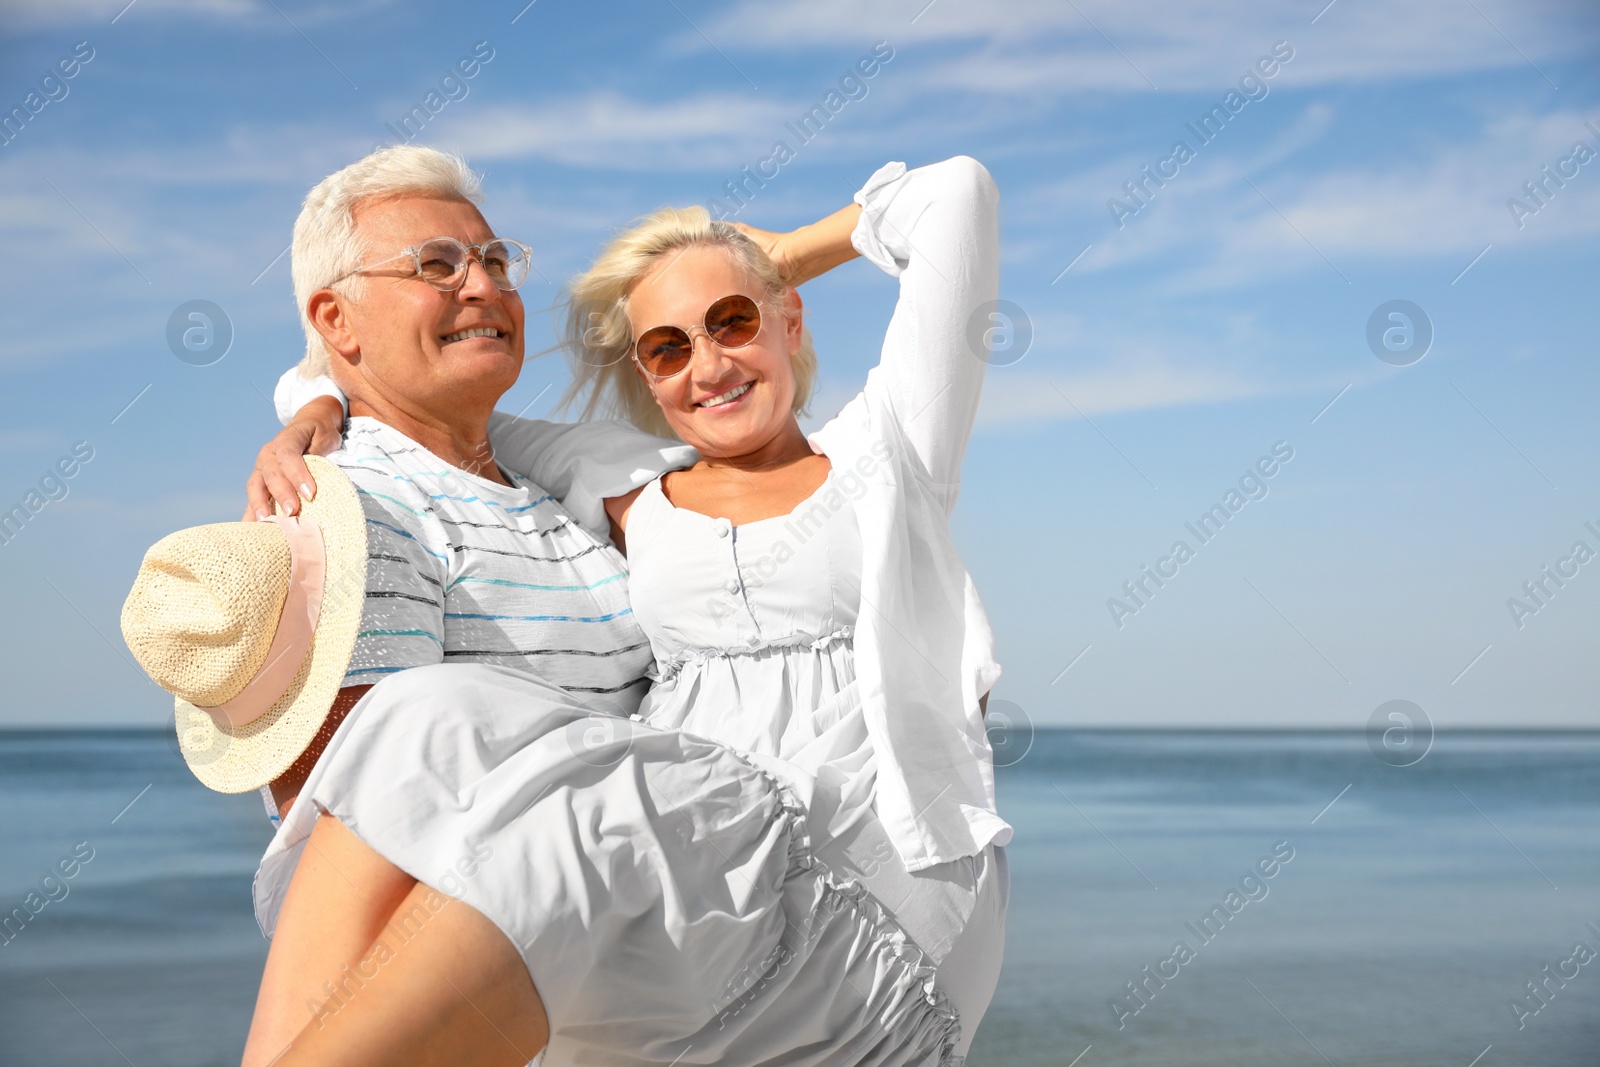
(410, 303)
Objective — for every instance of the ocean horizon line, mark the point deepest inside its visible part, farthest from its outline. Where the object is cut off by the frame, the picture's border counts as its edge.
(8, 732)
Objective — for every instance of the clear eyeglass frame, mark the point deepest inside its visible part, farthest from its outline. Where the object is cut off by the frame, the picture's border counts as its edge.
(469, 253)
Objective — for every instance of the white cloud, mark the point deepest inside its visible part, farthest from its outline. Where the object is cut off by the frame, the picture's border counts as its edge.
(1136, 381)
(1095, 362)
(296, 154)
(1456, 200)
(91, 14)
(1013, 399)
(612, 131)
(1043, 46)
(1208, 229)
(1151, 370)
(21, 441)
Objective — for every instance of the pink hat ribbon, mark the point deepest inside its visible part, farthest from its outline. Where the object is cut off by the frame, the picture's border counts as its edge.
(297, 625)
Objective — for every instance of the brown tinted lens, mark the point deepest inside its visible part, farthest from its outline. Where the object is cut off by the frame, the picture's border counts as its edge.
(733, 321)
(664, 350)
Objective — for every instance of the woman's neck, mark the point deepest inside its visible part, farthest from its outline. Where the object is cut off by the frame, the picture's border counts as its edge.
(783, 450)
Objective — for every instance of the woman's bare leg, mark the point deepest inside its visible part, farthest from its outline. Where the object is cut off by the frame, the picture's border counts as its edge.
(452, 991)
(340, 899)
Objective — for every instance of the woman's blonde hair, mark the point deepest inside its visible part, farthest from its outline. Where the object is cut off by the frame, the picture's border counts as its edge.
(599, 338)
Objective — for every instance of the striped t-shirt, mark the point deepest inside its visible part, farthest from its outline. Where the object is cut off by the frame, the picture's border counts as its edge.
(461, 569)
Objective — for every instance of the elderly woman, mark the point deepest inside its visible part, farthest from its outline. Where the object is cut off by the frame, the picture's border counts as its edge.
(796, 855)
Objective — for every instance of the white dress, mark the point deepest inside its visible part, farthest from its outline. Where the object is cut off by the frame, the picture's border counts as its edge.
(753, 630)
(756, 654)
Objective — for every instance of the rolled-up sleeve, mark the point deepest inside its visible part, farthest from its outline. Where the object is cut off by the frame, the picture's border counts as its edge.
(294, 392)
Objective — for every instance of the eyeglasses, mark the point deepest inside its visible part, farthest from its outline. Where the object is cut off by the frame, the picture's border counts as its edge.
(443, 262)
(732, 322)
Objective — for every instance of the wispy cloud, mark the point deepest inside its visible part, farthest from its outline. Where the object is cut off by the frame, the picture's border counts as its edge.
(1051, 47)
(1141, 377)
(1451, 201)
(89, 15)
(610, 130)
(1209, 229)
(21, 441)
(40, 14)
(1017, 398)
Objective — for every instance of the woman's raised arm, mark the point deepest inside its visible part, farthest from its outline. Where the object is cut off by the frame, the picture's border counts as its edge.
(937, 229)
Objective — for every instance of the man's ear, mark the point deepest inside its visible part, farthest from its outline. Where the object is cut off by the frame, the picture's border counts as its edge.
(327, 312)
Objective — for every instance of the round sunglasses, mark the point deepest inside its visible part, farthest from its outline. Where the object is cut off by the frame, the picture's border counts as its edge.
(732, 322)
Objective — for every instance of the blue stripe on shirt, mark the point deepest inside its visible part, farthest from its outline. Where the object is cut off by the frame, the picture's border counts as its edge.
(409, 537)
(540, 618)
(401, 504)
(403, 633)
(532, 585)
(491, 503)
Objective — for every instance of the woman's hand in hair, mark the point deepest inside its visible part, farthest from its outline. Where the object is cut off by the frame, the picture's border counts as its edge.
(810, 251)
(775, 245)
(281, 473)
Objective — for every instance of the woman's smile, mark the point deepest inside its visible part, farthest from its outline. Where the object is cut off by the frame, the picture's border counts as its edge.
(726, 400)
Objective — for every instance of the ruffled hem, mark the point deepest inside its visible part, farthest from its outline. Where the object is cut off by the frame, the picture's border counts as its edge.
(666, 671)
(933, 1003)
(839, 891)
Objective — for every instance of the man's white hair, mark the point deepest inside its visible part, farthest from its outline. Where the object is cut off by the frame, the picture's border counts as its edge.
(326, 244)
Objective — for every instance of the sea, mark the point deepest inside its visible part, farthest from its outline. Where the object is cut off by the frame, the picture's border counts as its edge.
(1236, 899)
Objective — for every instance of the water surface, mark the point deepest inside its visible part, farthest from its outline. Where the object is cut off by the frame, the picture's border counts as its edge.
(1414, 907)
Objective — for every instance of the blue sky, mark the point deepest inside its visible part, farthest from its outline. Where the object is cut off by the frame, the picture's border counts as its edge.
(1226, 314)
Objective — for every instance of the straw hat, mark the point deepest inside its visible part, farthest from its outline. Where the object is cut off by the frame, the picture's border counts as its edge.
(250, 625)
